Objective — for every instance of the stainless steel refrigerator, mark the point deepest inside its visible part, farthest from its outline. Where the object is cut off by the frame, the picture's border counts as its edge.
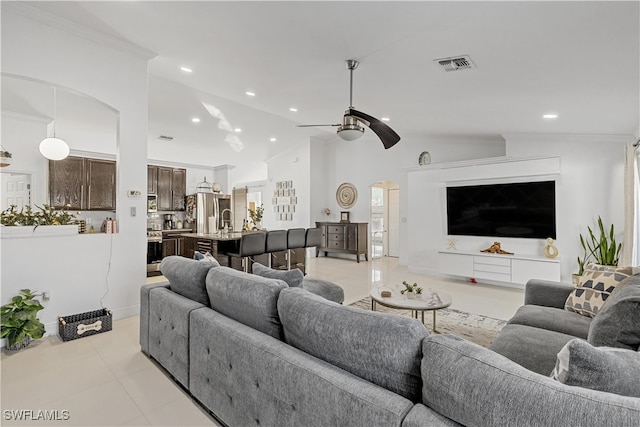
(205, 210)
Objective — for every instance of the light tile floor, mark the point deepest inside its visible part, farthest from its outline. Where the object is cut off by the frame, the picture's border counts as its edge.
(106, 380)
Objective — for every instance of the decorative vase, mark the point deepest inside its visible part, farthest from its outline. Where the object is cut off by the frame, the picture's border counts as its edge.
(20, 344)
(258, 225)
(410, 295)
(419, 295)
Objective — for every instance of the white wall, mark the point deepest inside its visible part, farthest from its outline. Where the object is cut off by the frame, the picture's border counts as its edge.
(365, 162)
(293, 165)
(63, 266)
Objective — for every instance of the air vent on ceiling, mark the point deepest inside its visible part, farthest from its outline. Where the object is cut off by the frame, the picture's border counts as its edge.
(165, 138)
(456, 63)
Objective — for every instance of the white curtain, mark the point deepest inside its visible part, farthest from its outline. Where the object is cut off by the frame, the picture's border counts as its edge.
(631, 242)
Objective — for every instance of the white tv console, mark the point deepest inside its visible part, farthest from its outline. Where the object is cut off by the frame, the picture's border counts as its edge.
(516, 269)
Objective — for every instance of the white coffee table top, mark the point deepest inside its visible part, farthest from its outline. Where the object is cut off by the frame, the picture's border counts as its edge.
(431, 300)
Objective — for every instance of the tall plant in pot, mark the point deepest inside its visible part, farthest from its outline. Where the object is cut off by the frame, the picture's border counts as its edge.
(20, 323)
(602, 248)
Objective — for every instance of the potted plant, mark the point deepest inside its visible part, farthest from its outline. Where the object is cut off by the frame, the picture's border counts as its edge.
(20, 323)
(5, 158)
(418, 292)
(256, 216)
(409, 290)
(603, 249)
(15, 221)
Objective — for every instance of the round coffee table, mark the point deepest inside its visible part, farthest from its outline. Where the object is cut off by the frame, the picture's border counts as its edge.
(431, 300)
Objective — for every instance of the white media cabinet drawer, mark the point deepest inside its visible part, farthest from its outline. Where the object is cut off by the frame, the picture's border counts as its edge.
(500, 268)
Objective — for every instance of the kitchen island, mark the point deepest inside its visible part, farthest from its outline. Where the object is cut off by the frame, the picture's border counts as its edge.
(219, 245)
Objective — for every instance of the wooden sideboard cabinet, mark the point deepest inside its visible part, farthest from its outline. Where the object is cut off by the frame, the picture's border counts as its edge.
(345, 237)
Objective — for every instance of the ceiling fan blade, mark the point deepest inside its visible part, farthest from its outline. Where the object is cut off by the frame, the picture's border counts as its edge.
(310, 126)
(387, 135)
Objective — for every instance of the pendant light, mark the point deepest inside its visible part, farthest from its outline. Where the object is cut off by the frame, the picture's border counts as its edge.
(54, 148)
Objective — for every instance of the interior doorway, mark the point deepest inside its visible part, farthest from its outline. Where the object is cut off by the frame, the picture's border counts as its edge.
(385, 219)
(16, 190)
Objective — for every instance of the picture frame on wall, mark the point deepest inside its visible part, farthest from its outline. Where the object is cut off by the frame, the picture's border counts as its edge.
(344, 216)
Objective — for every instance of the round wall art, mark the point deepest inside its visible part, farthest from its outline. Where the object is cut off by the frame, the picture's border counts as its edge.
(424, 158)
(346, 195)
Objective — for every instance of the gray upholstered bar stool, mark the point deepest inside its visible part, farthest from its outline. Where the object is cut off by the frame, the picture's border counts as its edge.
(276, 247)
(313, 239)
(295, 240)
(251, 244)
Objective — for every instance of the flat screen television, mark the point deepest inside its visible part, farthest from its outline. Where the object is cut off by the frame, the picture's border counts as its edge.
(523, 210)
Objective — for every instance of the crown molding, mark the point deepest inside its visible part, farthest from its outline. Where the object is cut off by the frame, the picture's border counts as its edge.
(75, 29)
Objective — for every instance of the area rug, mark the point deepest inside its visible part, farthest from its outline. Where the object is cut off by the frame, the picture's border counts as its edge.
(473, 327)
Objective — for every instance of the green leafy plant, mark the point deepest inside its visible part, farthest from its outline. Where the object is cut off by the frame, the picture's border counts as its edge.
(256, 214)
(409, 288)
(5, 154)
(19, 318)
(603, 249)
(418, 291)
(27, 216)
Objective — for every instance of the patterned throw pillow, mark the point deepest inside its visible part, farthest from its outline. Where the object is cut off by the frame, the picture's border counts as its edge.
(594, 287)
(199, 256)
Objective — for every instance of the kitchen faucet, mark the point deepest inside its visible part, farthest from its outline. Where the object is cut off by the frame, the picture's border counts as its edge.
(227, 221)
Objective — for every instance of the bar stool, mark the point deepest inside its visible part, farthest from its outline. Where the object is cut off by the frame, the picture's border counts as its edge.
(251, 244)
(313, 238)
(276, 242)
(295, 240)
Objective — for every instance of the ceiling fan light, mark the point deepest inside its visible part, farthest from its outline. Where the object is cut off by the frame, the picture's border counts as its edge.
(350, 133)
(54, 148)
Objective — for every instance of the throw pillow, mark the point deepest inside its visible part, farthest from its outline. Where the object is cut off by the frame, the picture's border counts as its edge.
(618, 323)
(187, 277)
(293, 278)
(199, 256)
(594, 287)
(613, 370)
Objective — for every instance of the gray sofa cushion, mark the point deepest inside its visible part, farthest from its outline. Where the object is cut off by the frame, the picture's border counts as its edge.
(533, 348)
(552, 319)
(293, 278)
(250, 379)
(325, 289)
(618, 323)
(247, 298)
(477, 387)
(187, 277)
(614, 370)
(384, 349)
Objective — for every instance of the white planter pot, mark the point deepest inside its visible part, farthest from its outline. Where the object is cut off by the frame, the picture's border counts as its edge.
(410, 295)
(25, 231)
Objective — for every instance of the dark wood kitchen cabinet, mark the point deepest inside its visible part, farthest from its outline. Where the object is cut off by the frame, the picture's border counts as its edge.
(152, 179)
(83, 184)
(170, 185)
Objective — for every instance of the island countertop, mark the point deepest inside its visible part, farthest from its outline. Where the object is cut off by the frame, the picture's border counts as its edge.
(236, 235)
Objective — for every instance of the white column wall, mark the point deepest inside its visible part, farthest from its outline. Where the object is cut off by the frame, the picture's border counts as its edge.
(79, 270)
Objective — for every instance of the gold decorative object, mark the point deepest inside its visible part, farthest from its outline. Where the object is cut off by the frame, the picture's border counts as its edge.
(385, 294)
(496, 249)
(550, 251)
(346, 195)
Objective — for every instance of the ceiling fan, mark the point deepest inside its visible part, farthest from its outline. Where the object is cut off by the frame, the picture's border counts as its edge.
(351, 127)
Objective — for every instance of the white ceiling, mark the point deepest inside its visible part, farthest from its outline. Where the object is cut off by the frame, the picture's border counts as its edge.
(579, 59)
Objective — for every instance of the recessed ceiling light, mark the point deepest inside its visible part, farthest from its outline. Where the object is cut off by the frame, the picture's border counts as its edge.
(195, 120)
(385, 119)
(249, 93)
(272, 139)
(550, 116)
(237, 130)
(186, 69)
(293, 109)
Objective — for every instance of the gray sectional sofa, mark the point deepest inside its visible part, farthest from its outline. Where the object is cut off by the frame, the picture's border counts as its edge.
(542, 327)
(258, 352)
